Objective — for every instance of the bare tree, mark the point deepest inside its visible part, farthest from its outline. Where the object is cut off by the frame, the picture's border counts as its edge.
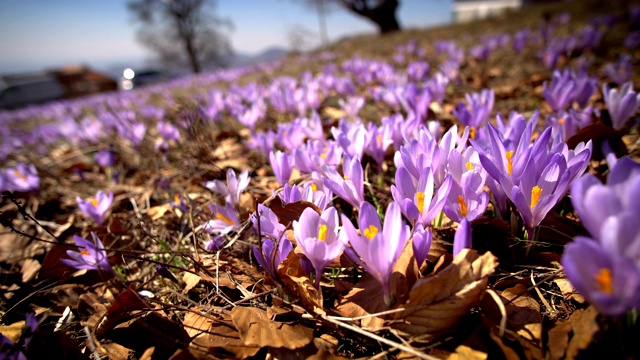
(380, 12)
(183, 32)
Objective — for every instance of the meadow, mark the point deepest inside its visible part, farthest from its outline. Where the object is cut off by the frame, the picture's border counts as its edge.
(466, 191)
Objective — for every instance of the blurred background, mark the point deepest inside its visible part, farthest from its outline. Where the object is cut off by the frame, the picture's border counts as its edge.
(48, 47)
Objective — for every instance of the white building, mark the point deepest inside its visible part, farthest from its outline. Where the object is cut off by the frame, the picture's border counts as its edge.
(469, 10)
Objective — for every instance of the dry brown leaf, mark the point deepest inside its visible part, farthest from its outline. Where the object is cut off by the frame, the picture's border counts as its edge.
(299, 285)
(466, 353)
(13, 331)
(568, 291)
(256, 329)
(116, 351)
(437, 302)
(584, 327)
(156, 212)
(559, 339)
(122, 308)
(364, 299)
(522, 311)
(509, 352)
(190, 281)
(214, 337)
(405, 274)
(288, 213)
(333, 113)
(30, 268)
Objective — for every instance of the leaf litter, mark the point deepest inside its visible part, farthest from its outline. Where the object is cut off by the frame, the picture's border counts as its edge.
(476, 305)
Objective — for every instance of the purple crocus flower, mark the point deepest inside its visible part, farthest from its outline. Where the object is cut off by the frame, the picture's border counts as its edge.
(466, 200)
(417, 199)
(462, 238)
(620, 72)
(378, 247)
(421, 242)
(349, 187)
(317, 237)
(105, 158)
(225, 219)
(622, 103)
(96, 207)
(352, 105)
(609, 211)
(481, 105)
(233, 188)
(215, 244)
(378, 141)
(275, 246)
(560, 92)
(92, 255)
(22, 178)
(281, 163)
(437, 86)
(608, 281)
(168, 131)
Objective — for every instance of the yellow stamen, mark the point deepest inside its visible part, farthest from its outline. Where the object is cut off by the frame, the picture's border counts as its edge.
(379, 138)
(469, 165)
(535, 196)
(20, 175)
(346, 177)
(370, 232)
(314, 187)
(224, 218)
(94, 202)
(508, 156)
(85, 252)
(472, 132)
(323, 155)
(176, 199)
(420, 199)
(322, 233)
(561, 121)
(463, 206)
(604, 281)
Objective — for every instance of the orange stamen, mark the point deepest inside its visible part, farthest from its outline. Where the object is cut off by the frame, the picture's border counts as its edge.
(604, 281)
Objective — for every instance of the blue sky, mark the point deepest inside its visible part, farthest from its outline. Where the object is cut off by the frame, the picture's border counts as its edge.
(39, 34)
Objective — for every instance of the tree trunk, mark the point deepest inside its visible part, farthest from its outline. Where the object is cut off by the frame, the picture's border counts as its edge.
(193, 58)
(383, 15)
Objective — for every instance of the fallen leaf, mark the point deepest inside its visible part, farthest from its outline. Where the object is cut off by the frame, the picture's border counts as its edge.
(157, 212)
(288, 213)
(559, 339)
(214, 337)
(151, 330)
(256, 329)
(584, 327)
(366, 298)
(124, 304)
(13, 331)
(568, 291)
(30, 268)
(190, 281)
(467, 353)
(522, 309)
(437, 302)
(299, 285)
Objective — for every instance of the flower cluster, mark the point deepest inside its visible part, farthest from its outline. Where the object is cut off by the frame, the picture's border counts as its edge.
(605, 267)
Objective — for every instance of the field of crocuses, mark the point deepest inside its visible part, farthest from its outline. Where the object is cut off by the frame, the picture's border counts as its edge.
(430, 194)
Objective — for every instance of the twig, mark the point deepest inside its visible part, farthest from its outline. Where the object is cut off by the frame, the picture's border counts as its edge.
(360, 331)
(503, 311)
(544, 301)
(92, 343)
